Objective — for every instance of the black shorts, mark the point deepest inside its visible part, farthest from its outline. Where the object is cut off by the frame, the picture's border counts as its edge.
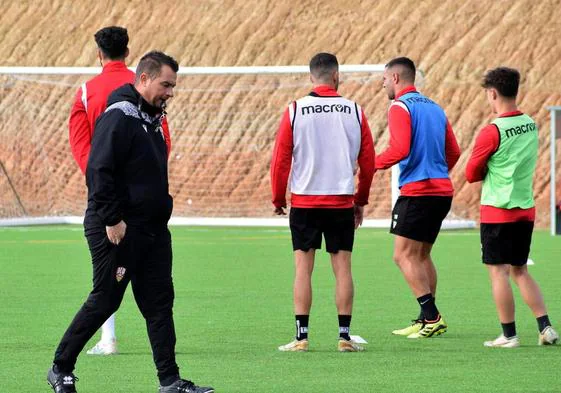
(419, 218)
(308, 224)
(507, 243)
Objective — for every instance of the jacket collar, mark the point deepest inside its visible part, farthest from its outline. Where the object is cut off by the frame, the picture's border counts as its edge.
(129, 93)
(511, 114)
(408, 89)
(324, 91)
(114, 66)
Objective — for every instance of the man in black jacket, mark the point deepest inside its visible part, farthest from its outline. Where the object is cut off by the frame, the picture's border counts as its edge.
(126, 224)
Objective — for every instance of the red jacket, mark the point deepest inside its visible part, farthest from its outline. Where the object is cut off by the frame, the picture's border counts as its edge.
(282, 161)
(90, 102)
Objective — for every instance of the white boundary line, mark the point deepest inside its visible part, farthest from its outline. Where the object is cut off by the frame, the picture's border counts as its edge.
(216, 221)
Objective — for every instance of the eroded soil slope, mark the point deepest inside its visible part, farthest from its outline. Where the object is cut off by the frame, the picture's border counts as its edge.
(223, 127)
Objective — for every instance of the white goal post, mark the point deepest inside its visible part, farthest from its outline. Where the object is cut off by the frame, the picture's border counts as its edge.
(71, 77)
(554, 201)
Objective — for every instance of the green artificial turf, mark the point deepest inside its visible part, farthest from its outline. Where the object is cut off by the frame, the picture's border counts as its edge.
(234, 307)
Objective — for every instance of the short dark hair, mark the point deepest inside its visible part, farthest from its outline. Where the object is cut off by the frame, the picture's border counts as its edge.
(323, 64)
(504, 79)
(151, 63)
(408, 65)
(112, 41)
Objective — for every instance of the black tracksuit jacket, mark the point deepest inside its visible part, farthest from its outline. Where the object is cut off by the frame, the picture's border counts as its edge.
(127, 173)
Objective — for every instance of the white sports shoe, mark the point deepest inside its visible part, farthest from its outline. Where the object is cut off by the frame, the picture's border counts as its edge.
(503, 342)
(295, 346)
(349, 346)
(104, 348)
(548, 336)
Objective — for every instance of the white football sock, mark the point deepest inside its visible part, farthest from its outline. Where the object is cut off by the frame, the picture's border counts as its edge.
(108, 330)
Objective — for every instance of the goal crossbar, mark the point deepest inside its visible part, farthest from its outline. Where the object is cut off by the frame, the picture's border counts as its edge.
(234, 70)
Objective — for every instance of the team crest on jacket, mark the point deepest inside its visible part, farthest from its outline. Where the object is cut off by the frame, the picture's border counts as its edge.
(120, 273)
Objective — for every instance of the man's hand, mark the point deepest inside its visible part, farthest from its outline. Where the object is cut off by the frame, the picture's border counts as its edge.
(279, 211)
(359, 215)
(116, 233)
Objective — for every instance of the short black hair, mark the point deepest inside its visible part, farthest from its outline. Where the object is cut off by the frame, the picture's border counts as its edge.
(408, 65)
(151, 63)
(505, 80)
(323, 64)
(112, 41)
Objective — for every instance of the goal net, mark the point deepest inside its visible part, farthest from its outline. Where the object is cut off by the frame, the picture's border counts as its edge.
(223, 124)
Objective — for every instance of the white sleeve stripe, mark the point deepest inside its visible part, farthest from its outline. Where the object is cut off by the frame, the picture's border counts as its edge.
(292, 113)
(85, 96)
(358, 114)
(400, 104)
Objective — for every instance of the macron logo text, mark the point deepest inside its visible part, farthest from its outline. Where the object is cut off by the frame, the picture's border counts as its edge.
(306, 110)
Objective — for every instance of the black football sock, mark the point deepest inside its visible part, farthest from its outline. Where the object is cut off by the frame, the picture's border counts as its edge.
(421, 316)
(302, 327)
(428, 308)
(543, 322)
(168, 380)
(344, 326)
(509, 329)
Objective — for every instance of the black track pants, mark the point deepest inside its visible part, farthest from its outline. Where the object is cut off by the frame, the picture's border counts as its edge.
(145, 259)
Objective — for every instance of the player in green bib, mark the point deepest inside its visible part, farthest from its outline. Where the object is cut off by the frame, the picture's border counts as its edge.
(509, 179)
(504, 158)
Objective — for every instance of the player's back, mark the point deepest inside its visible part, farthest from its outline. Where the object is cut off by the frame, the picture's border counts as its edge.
(96, 91)
(427, 158)
(327, 141)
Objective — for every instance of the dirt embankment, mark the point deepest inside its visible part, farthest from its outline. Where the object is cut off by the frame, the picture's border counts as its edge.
(452, 42)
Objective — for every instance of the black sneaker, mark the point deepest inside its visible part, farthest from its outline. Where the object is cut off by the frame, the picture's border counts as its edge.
(184, 386)
(61, 382)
